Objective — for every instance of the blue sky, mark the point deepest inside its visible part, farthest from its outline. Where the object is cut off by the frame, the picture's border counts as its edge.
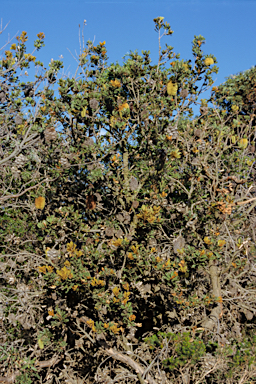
(227, 25)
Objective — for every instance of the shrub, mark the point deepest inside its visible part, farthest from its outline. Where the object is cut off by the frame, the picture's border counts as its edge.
(122, 216)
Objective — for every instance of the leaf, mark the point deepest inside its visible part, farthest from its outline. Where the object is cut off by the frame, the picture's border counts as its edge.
(183, 266)
(124, 109)
(41, 343)
(233, 138)
(84, 111)
(175, 154)
(235, 108)
(221, 243)
(207, 240)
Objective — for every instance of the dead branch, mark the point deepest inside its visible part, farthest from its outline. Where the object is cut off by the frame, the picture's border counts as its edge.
(128, 361)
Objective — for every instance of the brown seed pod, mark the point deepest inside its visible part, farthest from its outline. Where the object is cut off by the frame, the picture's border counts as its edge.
(64, 162)
(133, 183)
(50, 134)
(91, 201)
(20, 161)
(2, 97)
(127, 217)
(178, 244)
(203, 110)
(172, 131)
(88, 142)
(109, 232)
(251, 148)
(198, 132)
(119, 233)
(184, 93)
(98, 196)
(135, 204)
(120, 217)
(18, 119)
(94, 103)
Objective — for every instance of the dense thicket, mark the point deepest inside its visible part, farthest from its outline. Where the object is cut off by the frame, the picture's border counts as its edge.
(127, 228)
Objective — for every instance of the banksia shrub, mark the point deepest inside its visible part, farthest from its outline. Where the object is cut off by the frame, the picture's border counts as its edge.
(133, 269)
(237, 96)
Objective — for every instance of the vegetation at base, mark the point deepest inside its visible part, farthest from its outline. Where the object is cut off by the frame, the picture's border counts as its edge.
(127, 233)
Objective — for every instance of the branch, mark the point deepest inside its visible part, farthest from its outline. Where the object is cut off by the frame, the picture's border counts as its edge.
(27, 142)
(245, 202)
(207, 373)
(26, 190)
(9, 379)
(48, 363)
(215, 314)
(128, 361)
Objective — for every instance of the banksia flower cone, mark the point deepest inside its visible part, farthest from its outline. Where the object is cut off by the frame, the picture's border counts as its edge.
(172, 88)
(208, 61)
(40, 202)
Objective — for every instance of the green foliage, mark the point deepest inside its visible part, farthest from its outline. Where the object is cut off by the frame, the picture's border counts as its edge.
(12, 357)
(237, 94)
(183, 348)
(236, 98)
(244, 353)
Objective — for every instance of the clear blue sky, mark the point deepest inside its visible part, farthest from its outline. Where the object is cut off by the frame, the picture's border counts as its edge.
(228, 26)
